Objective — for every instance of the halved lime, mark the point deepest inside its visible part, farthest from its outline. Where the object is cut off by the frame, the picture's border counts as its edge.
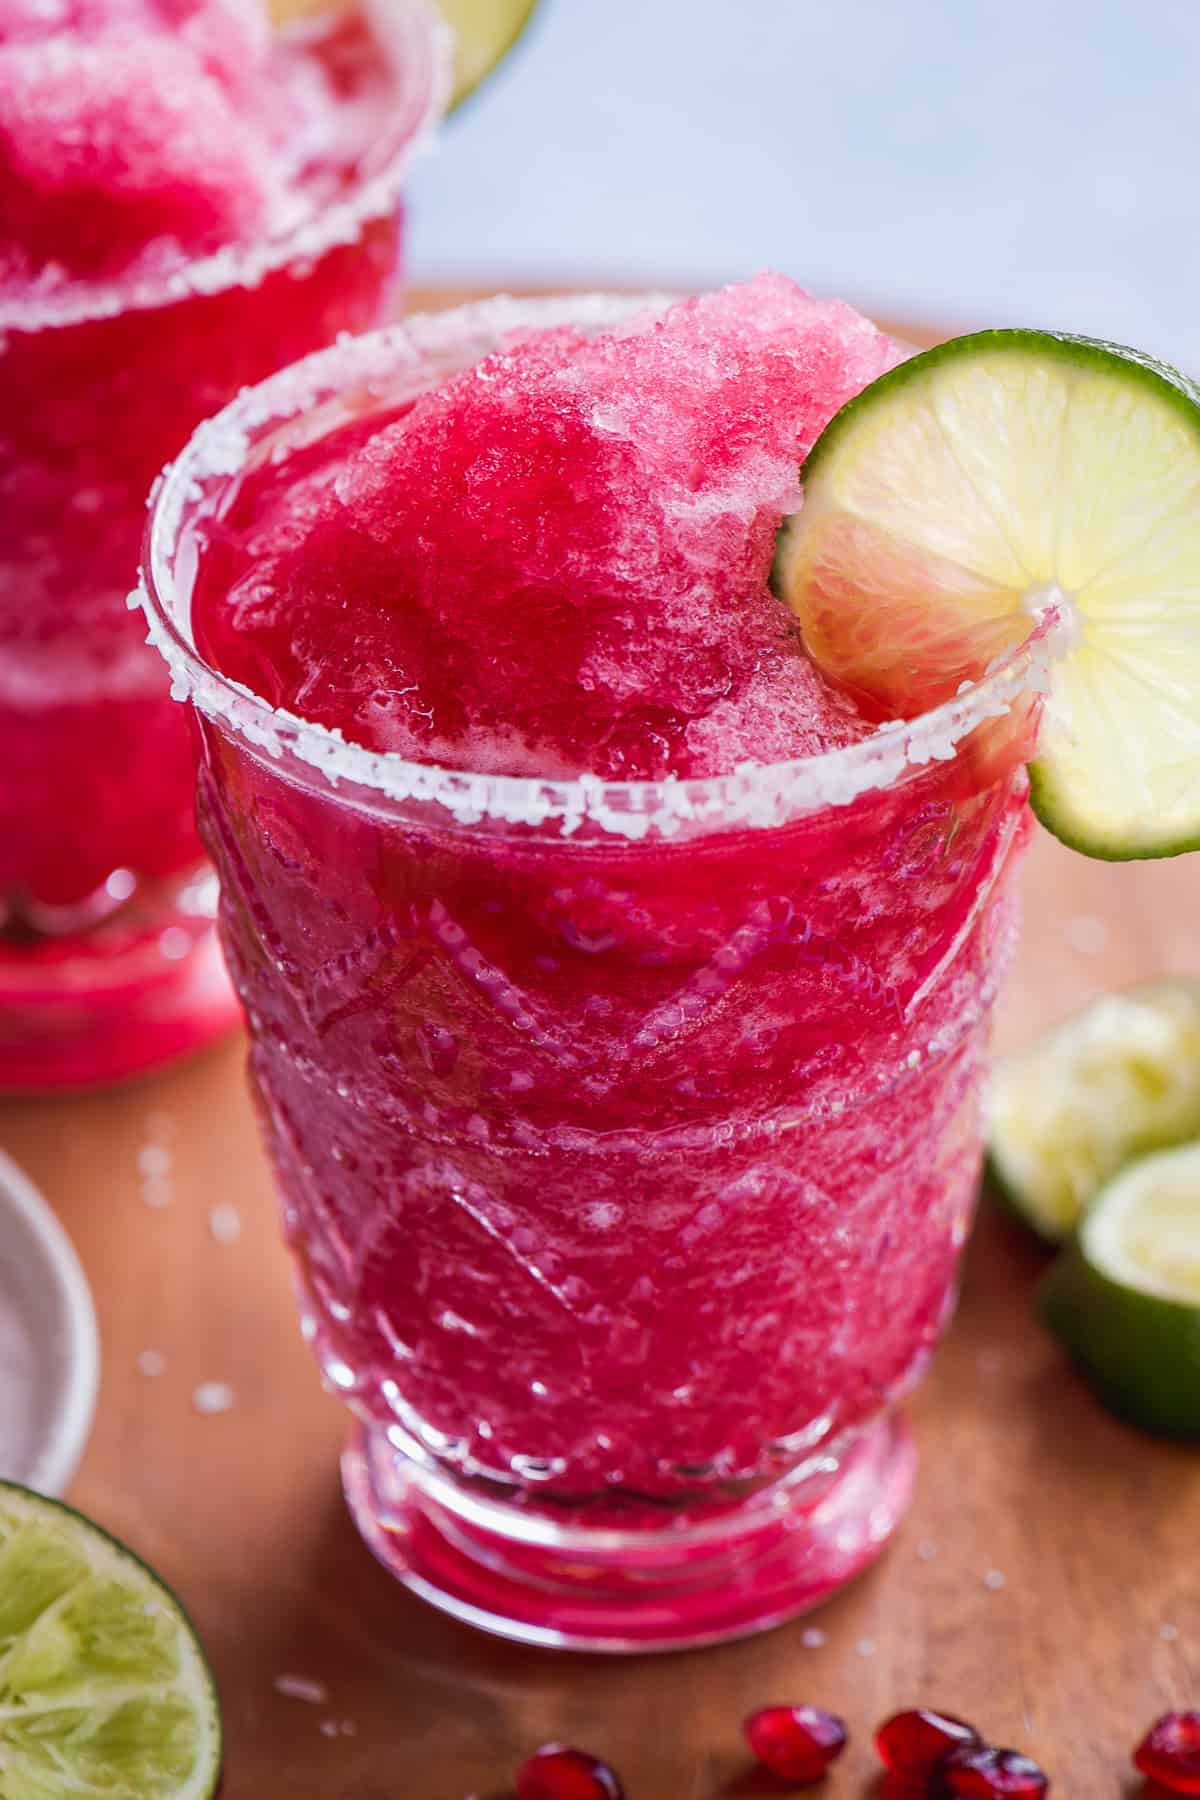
(971, 487)
(104, 1689)
(1118, 1080)
(1125, 1298)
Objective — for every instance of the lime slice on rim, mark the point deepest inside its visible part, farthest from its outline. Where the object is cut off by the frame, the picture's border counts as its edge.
(975, 485)
(104, 1689)
(484, 31)
(1118, 1080)
(1125, 1299)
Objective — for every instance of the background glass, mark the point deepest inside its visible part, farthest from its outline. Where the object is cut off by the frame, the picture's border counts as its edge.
(108, 959)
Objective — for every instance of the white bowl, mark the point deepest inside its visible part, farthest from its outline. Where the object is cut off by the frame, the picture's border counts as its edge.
(49, 1347)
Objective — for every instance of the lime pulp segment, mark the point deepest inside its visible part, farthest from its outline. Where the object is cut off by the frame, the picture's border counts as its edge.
(1118, 1080)
(981, 481)
(104, 1690)
(1125, 1299)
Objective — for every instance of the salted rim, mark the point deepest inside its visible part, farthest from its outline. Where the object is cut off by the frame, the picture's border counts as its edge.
(757, 795)
(420, 45)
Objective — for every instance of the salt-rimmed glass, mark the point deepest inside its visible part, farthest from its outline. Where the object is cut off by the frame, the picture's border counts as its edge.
(108, 956)
(626, 1134)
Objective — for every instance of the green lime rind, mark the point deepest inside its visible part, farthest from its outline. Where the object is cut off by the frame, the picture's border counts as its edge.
(1015, 1205)
(917, 559)
(1139, 1353)
(1124, 1299)
(1114, 1082)
(104, 1688)
(1052, 806)
(485, 32)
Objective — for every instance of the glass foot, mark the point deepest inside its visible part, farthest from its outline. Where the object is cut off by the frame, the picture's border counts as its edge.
(519, 1574)
(123, 999)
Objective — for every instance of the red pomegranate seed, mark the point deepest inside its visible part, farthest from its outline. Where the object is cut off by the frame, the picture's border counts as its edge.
(912, 1744)
(1170, 1753)
(557, 1773)
(978, 1772)
(797, 1743)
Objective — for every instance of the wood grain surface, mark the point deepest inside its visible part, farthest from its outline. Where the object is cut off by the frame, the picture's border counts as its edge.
(1046, 1583)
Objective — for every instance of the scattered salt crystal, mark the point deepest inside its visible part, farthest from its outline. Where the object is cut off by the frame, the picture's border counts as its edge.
(865, 1647)
(813, 1638)
(329, 1728)
(994, 1580)
(154, 1167)
(225, 1223)
(1168, 1633)
(927, 1550)
(151, 1362)
(348, 1728)
(212, 1397)
(1087, 934)
(299, 1687)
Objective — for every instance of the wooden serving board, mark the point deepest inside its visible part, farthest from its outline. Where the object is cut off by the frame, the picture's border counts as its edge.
(1047, 1583)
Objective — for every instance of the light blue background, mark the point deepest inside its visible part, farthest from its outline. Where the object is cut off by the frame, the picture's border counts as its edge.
(1035, 162)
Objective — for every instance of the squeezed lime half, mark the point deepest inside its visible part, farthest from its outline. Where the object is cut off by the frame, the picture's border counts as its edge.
(1124, 1300)
(1118, 1080)
(104, 1689)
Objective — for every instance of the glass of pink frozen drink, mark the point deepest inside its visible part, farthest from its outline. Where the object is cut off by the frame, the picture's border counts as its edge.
(618, 991)
(186, 203)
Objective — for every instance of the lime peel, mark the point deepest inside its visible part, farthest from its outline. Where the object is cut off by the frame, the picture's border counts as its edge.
(1124, 1300)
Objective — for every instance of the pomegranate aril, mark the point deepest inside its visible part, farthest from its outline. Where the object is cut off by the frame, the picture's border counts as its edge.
(912, 1744)
(1170, 1753)
(979, 1772)
(797, 1743)
(556, 1772)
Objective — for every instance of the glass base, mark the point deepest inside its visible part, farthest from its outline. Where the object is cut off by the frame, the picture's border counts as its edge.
(121, 1000)
(522, 1576)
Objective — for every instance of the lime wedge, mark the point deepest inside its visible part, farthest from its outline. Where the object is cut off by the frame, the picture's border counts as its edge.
(1125, 1299)
(1118, 1080)
(104, 1689)
(972, 487)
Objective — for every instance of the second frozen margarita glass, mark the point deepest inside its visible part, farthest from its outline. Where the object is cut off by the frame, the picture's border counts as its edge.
(212, 203)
